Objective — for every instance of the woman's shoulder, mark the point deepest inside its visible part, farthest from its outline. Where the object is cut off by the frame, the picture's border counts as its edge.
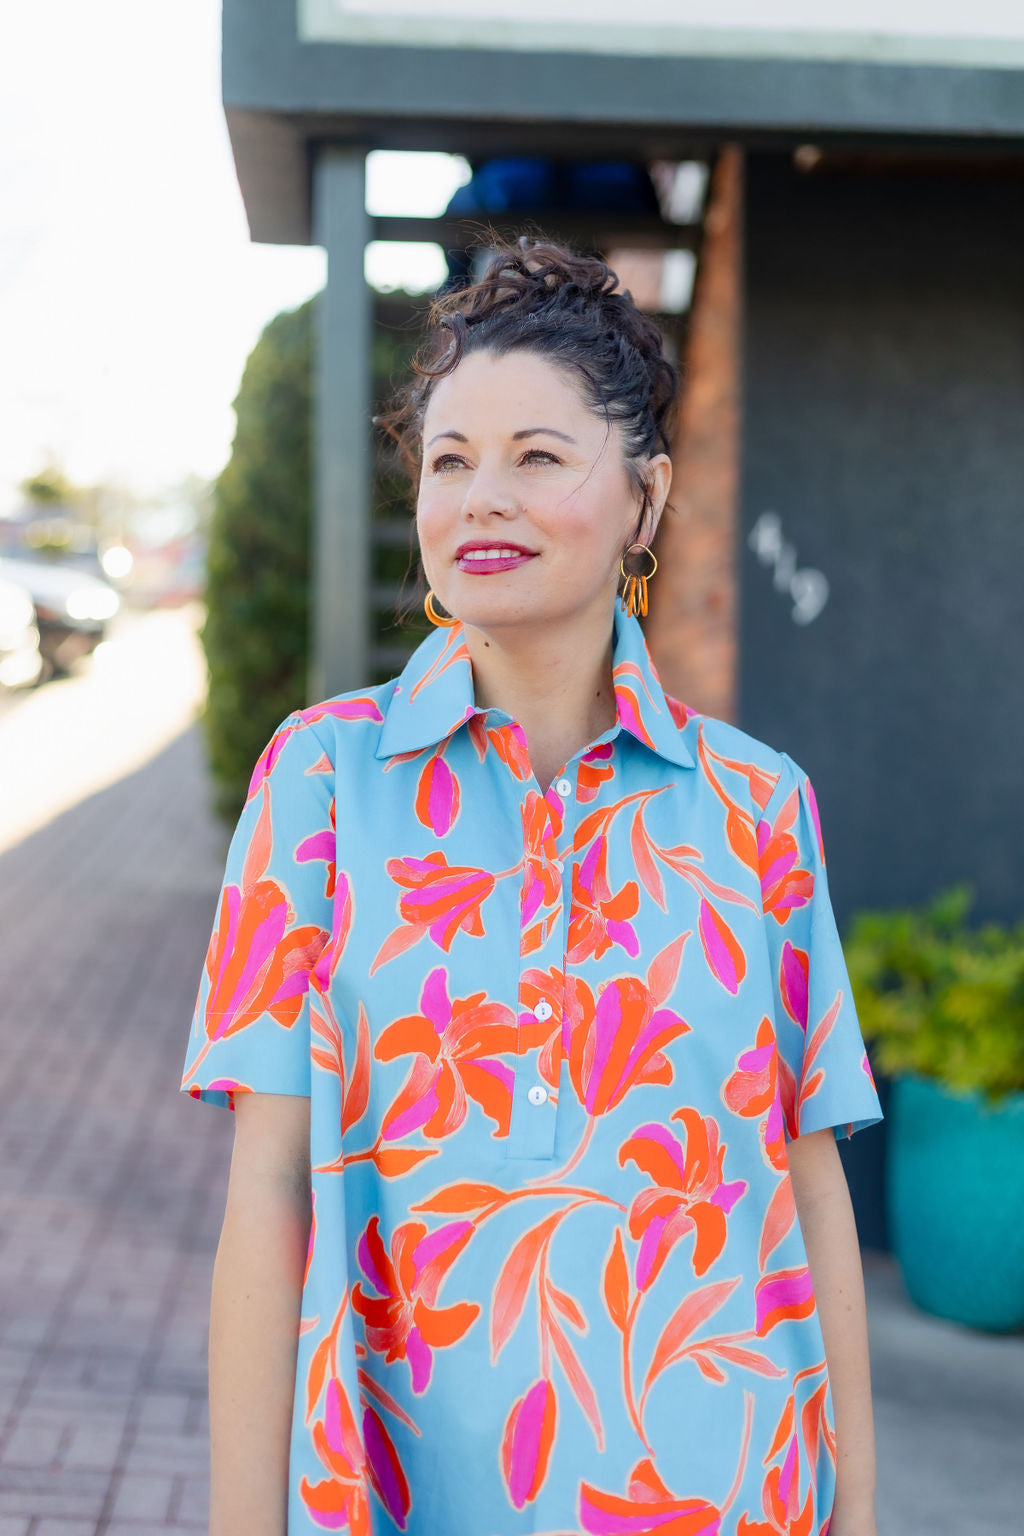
(716, 743)
(354, 717)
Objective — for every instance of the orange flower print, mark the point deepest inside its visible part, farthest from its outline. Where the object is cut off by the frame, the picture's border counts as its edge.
(599, 918)
(256, 962)
(753, 1089)
(784, 885)
(340, 1502)
(508, 741)
(536, 986)
(595, 768)
(542, 881)
(688, 1193)
(648, 1509)
(356, 1459)
(556, 1048)
(456, 1045)
(789, 1511)
(443, 899)
(403, 1321)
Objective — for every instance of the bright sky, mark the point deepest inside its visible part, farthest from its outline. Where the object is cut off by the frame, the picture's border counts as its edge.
(130, 293)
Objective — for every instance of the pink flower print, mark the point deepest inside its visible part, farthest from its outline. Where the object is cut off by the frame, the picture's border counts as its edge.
(438, 797)
(794, 970)
(616, 1040)
(443, 899)
(527, 1441)
(599, 918)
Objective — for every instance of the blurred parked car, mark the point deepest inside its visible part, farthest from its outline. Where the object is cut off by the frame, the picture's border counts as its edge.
(72, 607)
(21, 663)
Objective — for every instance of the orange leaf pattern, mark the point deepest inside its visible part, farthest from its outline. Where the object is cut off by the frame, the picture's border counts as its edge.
(556, 1039)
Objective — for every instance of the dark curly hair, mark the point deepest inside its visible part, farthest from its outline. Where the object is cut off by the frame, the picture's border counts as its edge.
(539, 296)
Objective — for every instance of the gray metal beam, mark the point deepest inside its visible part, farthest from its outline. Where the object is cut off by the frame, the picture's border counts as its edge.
(340, 544)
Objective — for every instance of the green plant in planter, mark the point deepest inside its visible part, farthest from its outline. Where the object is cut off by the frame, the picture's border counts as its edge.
(941, 1003)
(940, 999)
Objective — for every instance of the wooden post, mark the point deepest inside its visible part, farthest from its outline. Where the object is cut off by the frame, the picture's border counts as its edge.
(692, 625)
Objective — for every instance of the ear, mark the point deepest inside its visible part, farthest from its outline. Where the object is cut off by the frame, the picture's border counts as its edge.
(658, 473)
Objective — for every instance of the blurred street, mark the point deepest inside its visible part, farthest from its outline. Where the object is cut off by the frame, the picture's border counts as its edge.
(114, 1182)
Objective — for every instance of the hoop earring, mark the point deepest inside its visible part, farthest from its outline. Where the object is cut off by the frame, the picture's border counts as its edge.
(634, 595)
(433, 615)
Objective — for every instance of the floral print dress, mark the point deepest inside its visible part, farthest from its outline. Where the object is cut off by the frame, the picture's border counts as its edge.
(556, 1045)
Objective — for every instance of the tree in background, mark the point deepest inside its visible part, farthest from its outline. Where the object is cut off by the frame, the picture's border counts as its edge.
(50, 487)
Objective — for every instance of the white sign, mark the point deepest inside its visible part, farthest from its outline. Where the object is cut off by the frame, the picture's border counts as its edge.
(986, 33)
(807, 587)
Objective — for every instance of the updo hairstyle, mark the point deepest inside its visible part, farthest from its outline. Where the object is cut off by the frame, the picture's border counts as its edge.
(542, 297)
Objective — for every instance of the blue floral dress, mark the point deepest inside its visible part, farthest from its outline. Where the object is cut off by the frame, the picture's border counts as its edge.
(556, 1045)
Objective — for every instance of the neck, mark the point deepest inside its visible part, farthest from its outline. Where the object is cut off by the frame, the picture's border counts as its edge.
(557, 684)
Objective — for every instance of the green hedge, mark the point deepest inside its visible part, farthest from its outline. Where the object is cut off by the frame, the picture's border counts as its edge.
(256, 631)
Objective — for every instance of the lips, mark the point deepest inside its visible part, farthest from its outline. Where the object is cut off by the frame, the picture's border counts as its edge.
(493, 547)
(480, 559)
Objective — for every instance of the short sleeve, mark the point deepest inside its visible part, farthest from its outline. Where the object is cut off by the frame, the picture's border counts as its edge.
(824, 1075)
(250, 1026)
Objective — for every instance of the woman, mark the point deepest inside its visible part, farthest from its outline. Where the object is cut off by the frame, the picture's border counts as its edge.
(527, 995)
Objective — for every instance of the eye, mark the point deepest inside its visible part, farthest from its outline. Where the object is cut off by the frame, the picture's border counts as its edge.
(540, 455)
(445, 462)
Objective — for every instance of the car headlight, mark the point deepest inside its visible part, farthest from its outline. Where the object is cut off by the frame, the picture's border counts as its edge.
(94, 603)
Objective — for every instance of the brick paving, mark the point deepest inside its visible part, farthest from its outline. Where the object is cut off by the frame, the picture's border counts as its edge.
(114, 1182)
(114, 1185)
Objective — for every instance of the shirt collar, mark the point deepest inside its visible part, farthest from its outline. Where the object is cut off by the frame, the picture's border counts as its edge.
(433, 695)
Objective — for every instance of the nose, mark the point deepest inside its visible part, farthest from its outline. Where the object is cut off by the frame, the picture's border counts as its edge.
(487, 492)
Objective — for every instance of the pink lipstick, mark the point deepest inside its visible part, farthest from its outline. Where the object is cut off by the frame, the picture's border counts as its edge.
(482, 559)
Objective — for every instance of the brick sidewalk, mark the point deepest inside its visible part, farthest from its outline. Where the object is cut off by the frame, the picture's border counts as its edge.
(114, 1182)
(114, 1187)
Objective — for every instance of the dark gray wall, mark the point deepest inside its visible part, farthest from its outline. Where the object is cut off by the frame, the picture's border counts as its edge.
(884, 424)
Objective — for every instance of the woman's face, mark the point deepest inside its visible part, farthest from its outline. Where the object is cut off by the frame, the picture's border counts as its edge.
(524, 505)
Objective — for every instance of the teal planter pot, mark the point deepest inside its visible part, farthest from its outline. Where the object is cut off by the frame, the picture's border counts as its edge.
(955, 1193)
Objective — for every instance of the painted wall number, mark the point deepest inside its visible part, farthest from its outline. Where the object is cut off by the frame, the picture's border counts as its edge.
(807, 587)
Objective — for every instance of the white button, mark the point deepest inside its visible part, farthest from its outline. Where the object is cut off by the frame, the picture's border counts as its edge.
(543, 1010)
(564, 787)
(537, 1094)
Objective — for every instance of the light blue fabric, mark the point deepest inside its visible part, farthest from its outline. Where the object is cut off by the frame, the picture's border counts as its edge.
(556, 1046)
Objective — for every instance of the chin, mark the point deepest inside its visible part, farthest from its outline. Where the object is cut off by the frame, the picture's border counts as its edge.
(494, 614)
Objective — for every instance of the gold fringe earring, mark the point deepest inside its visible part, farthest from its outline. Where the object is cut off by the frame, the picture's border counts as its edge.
(634, 594)
(433, 615)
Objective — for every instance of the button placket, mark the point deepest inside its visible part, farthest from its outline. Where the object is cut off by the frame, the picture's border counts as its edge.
(533, 1124)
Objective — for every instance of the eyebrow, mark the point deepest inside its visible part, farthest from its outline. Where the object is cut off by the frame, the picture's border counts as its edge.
(516, 436)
